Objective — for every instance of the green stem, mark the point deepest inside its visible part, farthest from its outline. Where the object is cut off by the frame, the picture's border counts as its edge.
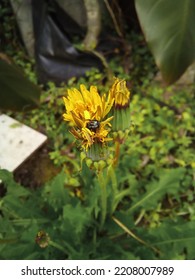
(117, 153)
(57, 246)
(102, 183)
(112, 175)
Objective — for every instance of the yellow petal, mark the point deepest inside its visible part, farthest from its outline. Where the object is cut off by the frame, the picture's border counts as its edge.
(87, 115)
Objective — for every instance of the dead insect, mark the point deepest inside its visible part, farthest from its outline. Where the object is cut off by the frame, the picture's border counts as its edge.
(93, 125)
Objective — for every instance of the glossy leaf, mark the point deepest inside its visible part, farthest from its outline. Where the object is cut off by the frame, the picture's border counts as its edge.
(169, 27)
(16, 91)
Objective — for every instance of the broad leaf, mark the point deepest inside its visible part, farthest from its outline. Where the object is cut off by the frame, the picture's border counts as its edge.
(172, 239)
(76, 217)
(16, 91)
(12, 188)
(55, 193)
(169, 182)
(169, 27)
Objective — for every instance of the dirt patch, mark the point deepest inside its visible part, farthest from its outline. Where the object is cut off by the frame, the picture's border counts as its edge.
(37, 170)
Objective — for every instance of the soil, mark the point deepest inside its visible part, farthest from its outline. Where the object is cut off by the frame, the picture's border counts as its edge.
(37, 170)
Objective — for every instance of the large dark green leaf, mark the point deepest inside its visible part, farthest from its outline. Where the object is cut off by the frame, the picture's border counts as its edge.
(16, 91)
(169, 182)
(168, 26)
(174, 239)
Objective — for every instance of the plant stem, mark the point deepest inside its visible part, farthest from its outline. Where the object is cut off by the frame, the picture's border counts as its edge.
(117, 153)
(102, 183)
(112, 175)
(129, 232)
(57, 246)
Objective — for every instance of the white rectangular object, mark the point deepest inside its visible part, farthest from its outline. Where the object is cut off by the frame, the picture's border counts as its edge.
(17, 142)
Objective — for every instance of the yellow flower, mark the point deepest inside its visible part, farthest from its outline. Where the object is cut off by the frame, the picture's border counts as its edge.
(86, 111)
(120, 93)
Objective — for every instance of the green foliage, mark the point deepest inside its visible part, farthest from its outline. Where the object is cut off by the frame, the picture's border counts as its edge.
(169, 182)
(18, 79)
(180, 238)
(17, 92)
(168, 27)
(168, 32)
(74, 230)
(150, 209)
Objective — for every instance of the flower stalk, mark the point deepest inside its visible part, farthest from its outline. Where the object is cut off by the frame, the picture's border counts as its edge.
(102, 183)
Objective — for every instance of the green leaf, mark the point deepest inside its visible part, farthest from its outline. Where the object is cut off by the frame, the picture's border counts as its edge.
(17, 92)
(23, 246)
(55, 192)
(76, 217)
(13, 189)
(169, 27)
(169, 182)
(173, 239)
